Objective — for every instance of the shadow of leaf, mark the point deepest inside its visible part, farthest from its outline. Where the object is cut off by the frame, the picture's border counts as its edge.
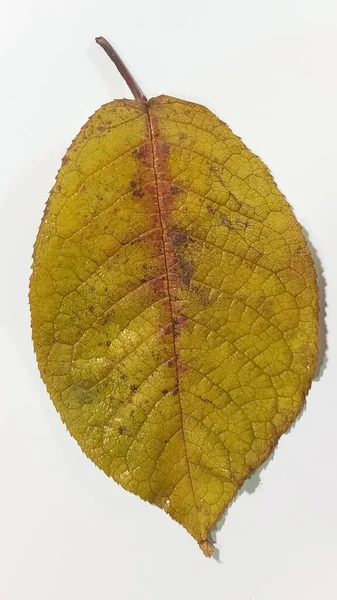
(322, 328)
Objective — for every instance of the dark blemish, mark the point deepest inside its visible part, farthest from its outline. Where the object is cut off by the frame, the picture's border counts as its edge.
(137, 183)
(91, 288)
(179, 236)
(180, 239)
(132, 412)
(210, 210)
(141, 154)
(123, 376)
(178, 321)
(158, 285)
(122, 430)
(175, 190)
(183, 136)
(165, 148)
(175, 391)
(100, 128)
(139, 193)
(108, 343)
(166, 329)
(65, 160)
(91, 308)
(242, 224)
(238, 202)
(203, 298)
(165, 392)
(218, 176)
(186, 270)
(133, 388)
(226, 222)
(206, 400)
(170, 362)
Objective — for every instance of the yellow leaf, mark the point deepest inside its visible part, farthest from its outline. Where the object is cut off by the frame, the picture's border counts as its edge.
(174, 304)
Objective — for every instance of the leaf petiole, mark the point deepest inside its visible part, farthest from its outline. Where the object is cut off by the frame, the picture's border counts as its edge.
(122, 68)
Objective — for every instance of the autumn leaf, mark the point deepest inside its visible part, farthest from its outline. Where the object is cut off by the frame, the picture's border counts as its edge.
(173, 303)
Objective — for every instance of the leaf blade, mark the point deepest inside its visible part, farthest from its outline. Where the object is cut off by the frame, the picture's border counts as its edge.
(187, 338)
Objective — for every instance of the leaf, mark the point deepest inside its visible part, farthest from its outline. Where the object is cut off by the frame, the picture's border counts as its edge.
(173, 303)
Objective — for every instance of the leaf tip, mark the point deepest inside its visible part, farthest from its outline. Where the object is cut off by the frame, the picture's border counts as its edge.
(207, 547)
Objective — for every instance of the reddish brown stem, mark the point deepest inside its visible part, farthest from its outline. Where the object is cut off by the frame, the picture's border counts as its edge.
(122, 68)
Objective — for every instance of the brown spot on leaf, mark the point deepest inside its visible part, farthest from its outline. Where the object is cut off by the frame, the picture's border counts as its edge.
(178, 322)
(136, 182)
(202, 294)
(138, 193)
(159, 284)
(242, 224)
(174, 190)
(218, 176)
(178, 235)
(186, 269)
(133, 388)
(122, 430)
(183, 136)
(226, 222)
(210, 209)
(236, 200)
(165, 148)
(166, 329)
(144, 154)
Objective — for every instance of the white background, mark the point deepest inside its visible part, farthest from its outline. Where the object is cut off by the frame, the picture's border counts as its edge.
(268, 68)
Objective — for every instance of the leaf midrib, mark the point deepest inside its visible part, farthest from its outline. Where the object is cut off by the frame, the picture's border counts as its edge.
(155, 160)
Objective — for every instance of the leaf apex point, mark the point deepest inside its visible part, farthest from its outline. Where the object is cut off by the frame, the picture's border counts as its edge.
(207, 547)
